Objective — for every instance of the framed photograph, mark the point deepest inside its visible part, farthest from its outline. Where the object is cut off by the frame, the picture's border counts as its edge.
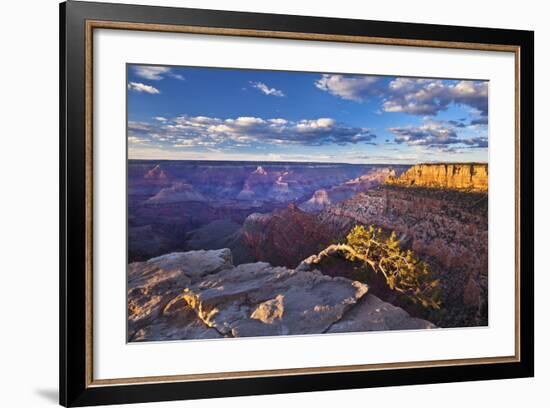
(256, 203)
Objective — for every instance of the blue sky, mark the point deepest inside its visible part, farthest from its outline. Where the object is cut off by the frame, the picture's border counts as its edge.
(237, 114)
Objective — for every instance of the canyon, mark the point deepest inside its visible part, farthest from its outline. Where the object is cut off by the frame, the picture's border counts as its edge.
(174, 205)
(246, 228)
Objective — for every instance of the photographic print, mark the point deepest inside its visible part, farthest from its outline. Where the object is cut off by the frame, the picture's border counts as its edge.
(236, 182)
(267, 203)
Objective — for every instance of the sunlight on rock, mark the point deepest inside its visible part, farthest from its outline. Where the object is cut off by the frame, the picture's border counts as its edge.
(269, 310)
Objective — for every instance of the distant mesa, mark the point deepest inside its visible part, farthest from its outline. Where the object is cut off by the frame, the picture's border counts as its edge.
(456, 176)
(156, 173)
(178, 192)
(280, 190)
(260, 170)
(280, 185)
(256, 185)
(319, 201)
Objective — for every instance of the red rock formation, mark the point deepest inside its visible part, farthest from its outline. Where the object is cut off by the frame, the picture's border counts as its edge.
(319, 201)
(284, 237)
(156, 173)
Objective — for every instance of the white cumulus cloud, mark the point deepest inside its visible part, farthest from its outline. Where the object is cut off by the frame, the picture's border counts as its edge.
(266, 90)
(153, 73)
(197, 131)
(353, 88)
(139, 87)
(436, 134)
(428, 97)
(415, 96)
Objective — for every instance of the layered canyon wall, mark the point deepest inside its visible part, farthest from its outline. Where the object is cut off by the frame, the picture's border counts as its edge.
(463, 176)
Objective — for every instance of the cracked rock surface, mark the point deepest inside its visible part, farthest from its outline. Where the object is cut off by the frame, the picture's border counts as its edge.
(201, 295)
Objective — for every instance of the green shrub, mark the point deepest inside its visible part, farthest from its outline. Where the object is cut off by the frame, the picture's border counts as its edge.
(402, 271)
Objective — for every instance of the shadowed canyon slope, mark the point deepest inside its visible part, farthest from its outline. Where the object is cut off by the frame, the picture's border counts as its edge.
(201, 294)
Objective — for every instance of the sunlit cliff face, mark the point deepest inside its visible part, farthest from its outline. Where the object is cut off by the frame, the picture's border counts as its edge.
(473, 177)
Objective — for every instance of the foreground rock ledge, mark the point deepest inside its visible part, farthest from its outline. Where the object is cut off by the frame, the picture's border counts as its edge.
(201, 295)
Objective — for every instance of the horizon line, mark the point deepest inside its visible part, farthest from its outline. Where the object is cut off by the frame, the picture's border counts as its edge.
(309, 162)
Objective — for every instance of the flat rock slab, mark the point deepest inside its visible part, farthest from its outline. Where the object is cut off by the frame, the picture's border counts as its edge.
(260, 300)
(178, 321)
(156, 282)
(373, 314)
(201, 295)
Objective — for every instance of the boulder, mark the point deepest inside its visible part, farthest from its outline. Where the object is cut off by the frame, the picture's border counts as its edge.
(373, 314)
(176, 322)
(154, 283)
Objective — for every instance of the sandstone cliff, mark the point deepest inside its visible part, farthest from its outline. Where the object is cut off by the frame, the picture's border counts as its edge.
(200, 294)
(460, 176)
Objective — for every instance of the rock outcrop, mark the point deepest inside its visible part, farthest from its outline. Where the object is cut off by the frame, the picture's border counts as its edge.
(372, 314)
(200, 295)
(273, 237)
(317, 202)
(461, 176)
(156, 173)
(448, 228)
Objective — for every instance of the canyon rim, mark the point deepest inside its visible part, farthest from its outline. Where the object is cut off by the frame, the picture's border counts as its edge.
(265, 203)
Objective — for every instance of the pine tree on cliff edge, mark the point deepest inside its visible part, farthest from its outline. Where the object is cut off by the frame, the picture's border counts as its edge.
(376, 251)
